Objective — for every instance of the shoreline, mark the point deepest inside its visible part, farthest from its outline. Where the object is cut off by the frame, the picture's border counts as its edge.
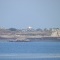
(31, 39)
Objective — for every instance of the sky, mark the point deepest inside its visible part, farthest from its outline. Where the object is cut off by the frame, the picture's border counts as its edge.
(35, 13)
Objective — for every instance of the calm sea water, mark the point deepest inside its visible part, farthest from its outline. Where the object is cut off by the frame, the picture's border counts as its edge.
(29, 50)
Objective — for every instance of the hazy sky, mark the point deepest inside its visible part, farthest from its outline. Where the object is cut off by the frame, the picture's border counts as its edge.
(34, 13)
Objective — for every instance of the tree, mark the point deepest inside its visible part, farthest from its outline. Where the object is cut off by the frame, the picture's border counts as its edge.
(12, 29)
(45, 29)
(38, 29)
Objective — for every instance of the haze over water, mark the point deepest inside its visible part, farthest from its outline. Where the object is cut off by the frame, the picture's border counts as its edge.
(34, 13)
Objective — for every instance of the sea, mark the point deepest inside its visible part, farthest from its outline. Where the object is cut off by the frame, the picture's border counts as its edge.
(43, 50)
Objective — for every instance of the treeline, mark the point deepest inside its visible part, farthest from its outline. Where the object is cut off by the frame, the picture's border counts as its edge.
(38, 29)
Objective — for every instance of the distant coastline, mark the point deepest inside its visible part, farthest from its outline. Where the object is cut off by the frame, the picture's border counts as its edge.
(29, 35)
